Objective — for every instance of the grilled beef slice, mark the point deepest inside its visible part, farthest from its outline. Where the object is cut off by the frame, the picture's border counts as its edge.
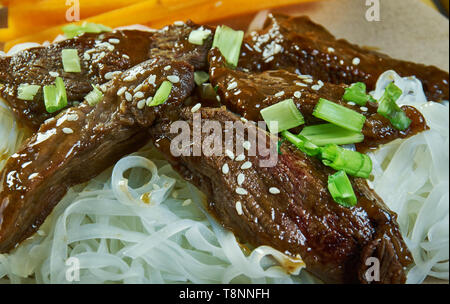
(101, 55)
(302, 218)
(83, 141)
(299, 45)
(247, 93)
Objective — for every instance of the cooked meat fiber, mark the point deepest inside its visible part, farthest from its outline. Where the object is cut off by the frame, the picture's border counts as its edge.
(247, 93)
(83, 141)
(288, 207)
(301, 46)
(101, 57)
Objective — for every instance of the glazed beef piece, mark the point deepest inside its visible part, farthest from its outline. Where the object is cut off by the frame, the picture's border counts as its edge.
(299, 45)
(247, 93)
(286, 205)
(83, 141)
(101, 56)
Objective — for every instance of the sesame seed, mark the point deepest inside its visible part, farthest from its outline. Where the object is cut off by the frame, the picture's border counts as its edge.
(218, 98)
(141, 104)
(114, 41)
(230, 154)
(168, 67)
(308, 80)
(356, 61)
(241, 191)
(301, 84)
(178, 23)
(330, 50)
(67, 130)
(126, 56)
(86, 56)
(351, 103)
(130, 78)
(239, 208)
(128, 96)
(72, 117)
(196, 108)
(54, 74)
(187, 202)
(341, 62)
(232, 86)
(240, 179)
(33, 175)
(121, 91)
(243, 119)
(240, 157)
(274, 190)
(246, 165)
(279, 94)
(149, 100)
(297, 94)
(316, 87)
(225, 169)
(109, 75)
(139, 95)
(173, 79)
(364, 109)
(247, 145)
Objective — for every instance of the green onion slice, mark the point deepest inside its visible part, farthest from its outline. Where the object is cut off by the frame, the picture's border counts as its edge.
(198, 36)
(388, 108)
(357, 94)
(339, 115)
(352, 162)
(27, 91)
(73, 30)
(55, 96)
(324, 134)
(341, 189)
(200, 77)
(94, 97)
(71, 61)
(162, 94)
(229, 42)
(302, 143)
(285, 114)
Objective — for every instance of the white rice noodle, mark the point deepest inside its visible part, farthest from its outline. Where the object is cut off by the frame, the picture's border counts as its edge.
(412, 177)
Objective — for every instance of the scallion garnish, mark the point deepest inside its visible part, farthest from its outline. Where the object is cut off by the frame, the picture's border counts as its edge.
(357, 93)
(55, 96)
(285, 114)
(352, 162)
(229, 42)
(94, 97)
(27, 91)
(339, 115)
(71, 61)
(301, 143)
(324, 134)
(198, 36)
(341, 189)
(162, 94)
(72, 30)
(200, 77)
(388, 108)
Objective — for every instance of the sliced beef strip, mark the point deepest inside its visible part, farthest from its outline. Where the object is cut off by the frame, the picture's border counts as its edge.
(81, 142)
(299, 45)
(302, 218)
(247, 93)
(101, 55)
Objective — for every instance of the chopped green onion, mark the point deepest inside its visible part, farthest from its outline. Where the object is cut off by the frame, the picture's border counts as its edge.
(341, 189)
(55, 96)
(339, 115)
(71, 61)
(72, 30)
(94, 97)
(301, 143)
(357, 94)
(324, 134)
(198, 36)
(388, 108)
(27, 91)
(200, 77)
(285, 113)
(162, 94)
(352, 162)
(229, 42)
